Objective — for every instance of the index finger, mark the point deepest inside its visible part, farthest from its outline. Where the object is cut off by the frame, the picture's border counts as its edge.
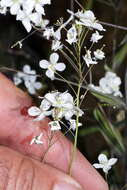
(17, 130)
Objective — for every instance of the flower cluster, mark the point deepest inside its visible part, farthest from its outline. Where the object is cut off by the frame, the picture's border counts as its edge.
(58, 105)
(29, 78)
(110, 84)
(29, 12)
(104, 163)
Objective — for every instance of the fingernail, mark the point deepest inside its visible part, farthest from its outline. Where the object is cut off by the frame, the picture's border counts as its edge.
(66, 186)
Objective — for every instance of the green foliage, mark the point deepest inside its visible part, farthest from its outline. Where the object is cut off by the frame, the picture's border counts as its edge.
(109, 99)
(110, 133)
(119, 57)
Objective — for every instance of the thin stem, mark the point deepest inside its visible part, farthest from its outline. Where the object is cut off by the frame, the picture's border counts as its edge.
(70, 60)
(76, 133)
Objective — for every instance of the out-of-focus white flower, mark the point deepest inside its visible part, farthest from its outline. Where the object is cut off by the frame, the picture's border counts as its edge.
(73, 124)
(88, 59)
(110, 84)
(27, 18)
(56, 45)
(32, 86)
(52, 65)
(55, 126)
(96, 37)
(41, 112)
(37, 139)
(14, 6)
(48, 33)
(88, 19)
(99, 54)
(72, 35)
(36, 5)
(104, 163)
(29, 77)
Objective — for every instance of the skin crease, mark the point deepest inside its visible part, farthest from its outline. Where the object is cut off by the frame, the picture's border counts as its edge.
(16, 131)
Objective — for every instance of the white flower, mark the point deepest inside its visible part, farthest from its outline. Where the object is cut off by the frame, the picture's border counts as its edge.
(56, 45)
(71, 35)
(95, 37)
(36, 5)
(27, 18)
(41, 112)
(37, 139)
(14, 5)
(99, 54)
(55, 126)
(88, 19)
(110, 84)
(73, 124)
(29, 77)
(48, 33)
(52, 65)
(104, 163)
(32, 86)
(63, 104)
(88, 59)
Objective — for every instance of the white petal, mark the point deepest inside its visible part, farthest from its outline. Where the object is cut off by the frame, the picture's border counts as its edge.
(14, 8)
(26, 69)
(54, 57)
(68, 115)
(112, 161)
(44, 64)
(45, 105)
(40, 9)
(50, 74)
(51, 97)
(97, 166)
(60, 67)
(37, 85)
(102, 158)
(26, 23)
(17, 80)
(35, 18)
(106, 168)
(34, 111)
(40, 117)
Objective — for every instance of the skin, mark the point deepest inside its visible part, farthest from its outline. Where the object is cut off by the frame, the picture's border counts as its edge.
(34, 167)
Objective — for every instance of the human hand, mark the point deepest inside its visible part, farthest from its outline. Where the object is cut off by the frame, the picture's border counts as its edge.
(20, 166)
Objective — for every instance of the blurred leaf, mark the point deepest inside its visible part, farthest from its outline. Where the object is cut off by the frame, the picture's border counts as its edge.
(110, 99)
(124, 40)
(88, 131)
(119, 57)
(110, 133)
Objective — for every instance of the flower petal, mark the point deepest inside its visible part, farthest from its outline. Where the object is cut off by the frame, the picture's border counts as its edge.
(40, 9)
(44, 64)
(14, 8)
(60, 67)
(112, 161)
(102, 158)
(34, 111)
(26, 23)
(97, 166)
(50, 74)
(54, 58)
